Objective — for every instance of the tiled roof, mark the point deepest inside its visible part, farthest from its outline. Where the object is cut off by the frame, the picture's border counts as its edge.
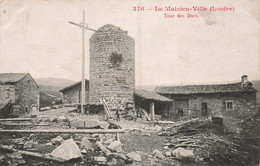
(73, 85)
(11, 77)
(150, 95)
(201, 89)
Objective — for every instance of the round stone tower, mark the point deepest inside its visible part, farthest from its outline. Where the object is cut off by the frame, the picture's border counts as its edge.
(112, 66)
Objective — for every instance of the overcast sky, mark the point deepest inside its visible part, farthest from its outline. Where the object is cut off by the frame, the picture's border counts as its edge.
(35, 37)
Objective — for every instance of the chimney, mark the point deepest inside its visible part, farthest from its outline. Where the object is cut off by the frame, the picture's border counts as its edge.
(244, 80)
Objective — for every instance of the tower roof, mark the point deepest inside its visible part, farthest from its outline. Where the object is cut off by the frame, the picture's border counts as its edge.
(110, 27)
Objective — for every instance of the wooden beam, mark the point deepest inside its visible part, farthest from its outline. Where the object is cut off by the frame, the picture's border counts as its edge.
(146, 114)
(82, 131)
(117, 137)
(172, 109)
(32, 154)
(151, 105)
(164, 122)
(16, 119)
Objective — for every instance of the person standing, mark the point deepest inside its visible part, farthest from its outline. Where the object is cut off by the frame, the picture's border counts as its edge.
(189, 113)
(34, 110)
(117, 114)
(16, 110)
(134, 115)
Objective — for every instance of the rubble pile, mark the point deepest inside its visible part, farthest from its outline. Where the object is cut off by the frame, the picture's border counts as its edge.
(249, 140)
(191, 127)
(194, 141)
(92, 149)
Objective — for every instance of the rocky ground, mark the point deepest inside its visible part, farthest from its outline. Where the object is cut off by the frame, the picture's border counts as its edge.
(187, 142)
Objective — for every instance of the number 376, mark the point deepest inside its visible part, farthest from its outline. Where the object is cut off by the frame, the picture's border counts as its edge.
(138, 8)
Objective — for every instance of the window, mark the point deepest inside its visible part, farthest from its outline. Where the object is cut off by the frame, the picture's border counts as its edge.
(116, 59)
(229, 105)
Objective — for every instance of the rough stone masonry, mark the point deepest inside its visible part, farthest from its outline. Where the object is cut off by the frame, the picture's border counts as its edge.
(112, 66)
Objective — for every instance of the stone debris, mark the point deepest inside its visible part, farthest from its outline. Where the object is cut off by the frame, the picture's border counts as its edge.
(168, 154)
(29, 144)
(83, 151)
(75, 123)
(146, 134)
(104, 125)
(32, 136)
(158, 154)
(95, 135)
(166, 147)
(183, 154)
(118, 155)
(113, 161)
(85, 143)
(15, 159)
(49, 144)
(113, 126)
(61, 119)
(82, 124)
(115, 146)
(2, 157)
(18, 140)
(65, 136)
(157, 128)
(100, 159)
(134, 156)
(103, 148)
(45, 108)
(109, 141)
(57, 106)
(53, 118)
(67, 150)
(57, 141)
(91, 124)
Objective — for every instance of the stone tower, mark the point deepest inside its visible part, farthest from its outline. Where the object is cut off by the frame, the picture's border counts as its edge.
(112, 66)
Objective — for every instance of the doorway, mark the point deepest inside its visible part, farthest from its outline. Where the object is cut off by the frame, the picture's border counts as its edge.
(204, 109)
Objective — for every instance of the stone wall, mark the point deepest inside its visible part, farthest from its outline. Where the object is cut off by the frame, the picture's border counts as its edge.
(26, 93)
(7, 93)
(244, 104)
(73, 95)
(111, 78)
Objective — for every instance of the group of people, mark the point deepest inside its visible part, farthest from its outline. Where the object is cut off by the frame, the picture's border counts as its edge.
(32, 111)
(180, 112)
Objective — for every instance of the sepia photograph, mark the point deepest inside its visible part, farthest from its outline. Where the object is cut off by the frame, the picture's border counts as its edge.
(133, 82)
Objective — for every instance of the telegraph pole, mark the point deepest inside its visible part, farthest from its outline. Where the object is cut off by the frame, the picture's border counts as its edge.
(84, 27)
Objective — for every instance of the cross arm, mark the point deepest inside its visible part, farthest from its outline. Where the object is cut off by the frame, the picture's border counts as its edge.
(82, 26)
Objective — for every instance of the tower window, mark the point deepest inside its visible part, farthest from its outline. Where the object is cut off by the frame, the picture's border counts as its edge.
(116, 59)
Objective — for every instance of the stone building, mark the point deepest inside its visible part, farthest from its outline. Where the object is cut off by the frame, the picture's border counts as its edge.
(112, 67)
(237, 99)
(72, 93)
(18, 89)
(48, 99)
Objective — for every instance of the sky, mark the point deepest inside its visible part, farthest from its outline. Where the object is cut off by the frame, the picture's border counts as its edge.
(216, 47)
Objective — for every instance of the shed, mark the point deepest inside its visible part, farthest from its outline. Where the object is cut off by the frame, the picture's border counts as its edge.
(153, 103)
(72, 93)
